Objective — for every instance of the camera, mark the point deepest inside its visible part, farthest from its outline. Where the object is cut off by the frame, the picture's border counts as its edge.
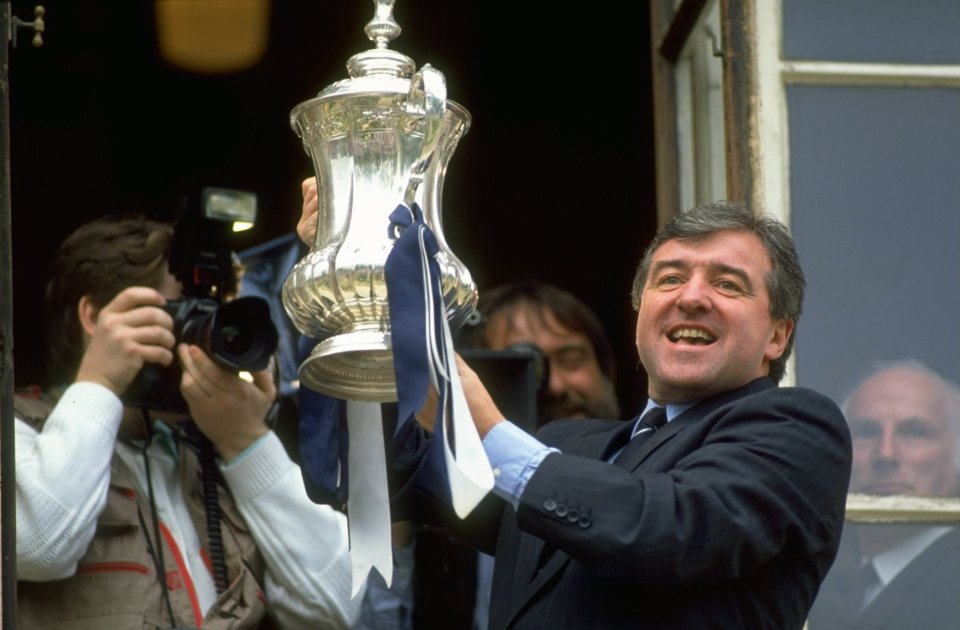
(514, 376)
(237, 334)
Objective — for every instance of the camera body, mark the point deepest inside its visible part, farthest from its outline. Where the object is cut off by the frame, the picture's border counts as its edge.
(237, 334)
(514, 377)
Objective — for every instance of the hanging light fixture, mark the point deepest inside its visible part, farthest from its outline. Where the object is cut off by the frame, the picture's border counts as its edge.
(212, 36)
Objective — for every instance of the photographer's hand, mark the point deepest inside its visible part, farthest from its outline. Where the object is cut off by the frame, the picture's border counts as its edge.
(229, 410)
(126, 333)
(307, 227)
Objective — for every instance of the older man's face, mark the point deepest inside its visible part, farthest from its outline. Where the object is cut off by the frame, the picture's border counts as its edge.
(902, 438)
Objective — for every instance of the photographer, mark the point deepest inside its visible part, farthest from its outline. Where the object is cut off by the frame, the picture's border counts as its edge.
(113, 529)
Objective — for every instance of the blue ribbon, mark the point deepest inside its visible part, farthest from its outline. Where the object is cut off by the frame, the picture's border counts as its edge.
(417, 331)
(417, 335)
(324, 442)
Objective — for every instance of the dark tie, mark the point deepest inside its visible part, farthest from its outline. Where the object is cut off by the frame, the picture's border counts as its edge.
(649, 423)
(867, 582)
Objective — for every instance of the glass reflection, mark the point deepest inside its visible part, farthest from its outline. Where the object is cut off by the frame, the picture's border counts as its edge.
(905, 424)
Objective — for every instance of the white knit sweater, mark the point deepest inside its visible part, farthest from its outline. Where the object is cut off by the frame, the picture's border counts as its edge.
(63, 475)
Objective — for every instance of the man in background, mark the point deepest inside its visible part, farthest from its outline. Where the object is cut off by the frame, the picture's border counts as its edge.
(905, 422)
(579, 379)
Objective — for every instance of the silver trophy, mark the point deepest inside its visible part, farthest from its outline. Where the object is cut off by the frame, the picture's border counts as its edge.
(383, 136)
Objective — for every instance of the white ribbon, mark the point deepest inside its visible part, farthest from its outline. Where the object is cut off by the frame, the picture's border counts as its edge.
(368, 504)
(469, 472)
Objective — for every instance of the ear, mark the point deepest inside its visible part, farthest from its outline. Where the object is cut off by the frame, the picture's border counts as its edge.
(87, 314)
(780, 332)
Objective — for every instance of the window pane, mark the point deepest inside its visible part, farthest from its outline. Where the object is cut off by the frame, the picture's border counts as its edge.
(875, 184)
(920, 31)
(920, 580)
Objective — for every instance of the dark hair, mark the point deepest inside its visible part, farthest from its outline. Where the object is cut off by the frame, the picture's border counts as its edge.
(541, 297)
(99, 259)
(785, 282)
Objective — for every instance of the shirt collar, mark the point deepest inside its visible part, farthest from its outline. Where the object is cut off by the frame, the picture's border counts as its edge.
(889, 563)
(673, 409)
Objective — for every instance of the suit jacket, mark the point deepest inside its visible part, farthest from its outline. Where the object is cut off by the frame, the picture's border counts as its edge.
(728, 517)
(922, 595)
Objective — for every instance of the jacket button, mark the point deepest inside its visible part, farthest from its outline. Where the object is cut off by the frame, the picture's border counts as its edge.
(561, 511)
(549, 504)
(573, 515)
(585, 521)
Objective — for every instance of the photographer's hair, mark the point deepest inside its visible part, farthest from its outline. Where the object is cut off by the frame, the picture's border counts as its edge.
(99, 259)
(539, 298)
(785, 282)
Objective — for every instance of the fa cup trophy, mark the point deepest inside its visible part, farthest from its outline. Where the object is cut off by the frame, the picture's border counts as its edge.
(383, 136)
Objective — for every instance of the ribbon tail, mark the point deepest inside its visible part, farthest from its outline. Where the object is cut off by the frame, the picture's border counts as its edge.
(324, 442)
(368, 505)
(423, 356)
(469, 472)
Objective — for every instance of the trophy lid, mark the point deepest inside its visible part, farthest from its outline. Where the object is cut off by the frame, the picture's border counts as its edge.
(378, 70)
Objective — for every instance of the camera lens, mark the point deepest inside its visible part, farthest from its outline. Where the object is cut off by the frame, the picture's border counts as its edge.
(235, 340)
(242, 336)
(238, 335)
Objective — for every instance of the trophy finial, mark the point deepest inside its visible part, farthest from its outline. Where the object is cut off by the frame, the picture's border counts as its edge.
(382, 29)
(380, 60)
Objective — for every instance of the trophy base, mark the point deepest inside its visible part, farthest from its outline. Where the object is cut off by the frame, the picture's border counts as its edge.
(352, 366)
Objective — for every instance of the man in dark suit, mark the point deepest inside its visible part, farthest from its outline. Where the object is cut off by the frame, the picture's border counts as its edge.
(728, 516)
(905, 422)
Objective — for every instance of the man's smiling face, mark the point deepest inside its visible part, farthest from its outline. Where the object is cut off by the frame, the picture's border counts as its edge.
(704, 323)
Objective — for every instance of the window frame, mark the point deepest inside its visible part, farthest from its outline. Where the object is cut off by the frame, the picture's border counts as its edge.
(756, 157)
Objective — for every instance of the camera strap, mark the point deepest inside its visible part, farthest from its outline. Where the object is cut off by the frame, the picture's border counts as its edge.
(191, 437)
(155, 550)
(211, 508)
(154, 542)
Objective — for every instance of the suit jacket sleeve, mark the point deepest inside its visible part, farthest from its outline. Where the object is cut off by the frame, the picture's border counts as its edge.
(721, 492)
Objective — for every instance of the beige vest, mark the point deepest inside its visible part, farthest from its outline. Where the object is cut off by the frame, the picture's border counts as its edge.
(115, 586)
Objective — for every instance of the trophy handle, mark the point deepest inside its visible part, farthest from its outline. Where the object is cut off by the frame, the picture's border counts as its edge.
(428, 98)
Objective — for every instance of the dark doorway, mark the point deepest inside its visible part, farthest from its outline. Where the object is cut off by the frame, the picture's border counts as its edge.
(553, 181)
